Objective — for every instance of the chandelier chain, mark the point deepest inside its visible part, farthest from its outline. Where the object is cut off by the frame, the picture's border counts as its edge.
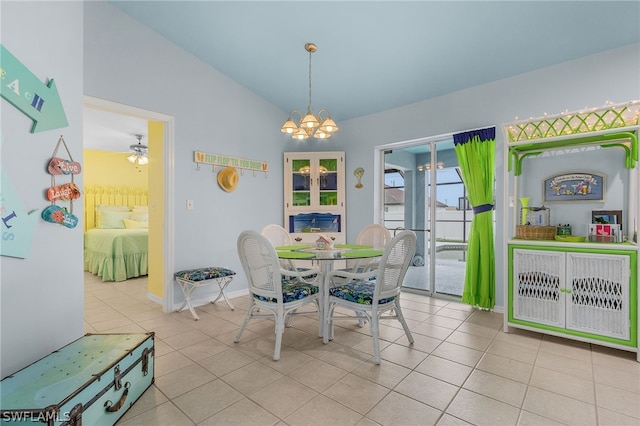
(310, 106)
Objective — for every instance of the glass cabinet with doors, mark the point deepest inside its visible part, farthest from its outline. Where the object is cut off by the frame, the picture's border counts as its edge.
(314, 195)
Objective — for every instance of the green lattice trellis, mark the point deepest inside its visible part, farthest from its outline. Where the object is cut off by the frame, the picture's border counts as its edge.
(607, 117)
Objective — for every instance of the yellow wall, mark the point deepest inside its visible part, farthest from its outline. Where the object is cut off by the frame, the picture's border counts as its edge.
(156, 209)
(113, 169)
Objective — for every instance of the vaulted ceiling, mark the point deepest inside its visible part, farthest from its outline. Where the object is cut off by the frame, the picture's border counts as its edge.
(376, 55)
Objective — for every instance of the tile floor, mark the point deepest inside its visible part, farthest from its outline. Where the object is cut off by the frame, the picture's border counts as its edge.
(462, 369)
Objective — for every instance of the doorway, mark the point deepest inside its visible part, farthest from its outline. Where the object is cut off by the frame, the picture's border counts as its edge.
(161, 146)
(422, 190)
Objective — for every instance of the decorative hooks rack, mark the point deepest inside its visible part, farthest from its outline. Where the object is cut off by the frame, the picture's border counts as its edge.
(217, 160)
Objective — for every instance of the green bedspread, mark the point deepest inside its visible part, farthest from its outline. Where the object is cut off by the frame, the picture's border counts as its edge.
(116, 254)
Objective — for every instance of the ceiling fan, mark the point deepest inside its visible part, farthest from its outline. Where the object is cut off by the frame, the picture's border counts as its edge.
(139, 152)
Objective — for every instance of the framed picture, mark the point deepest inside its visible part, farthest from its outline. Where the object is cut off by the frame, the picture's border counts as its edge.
(573, 186)
(606, 217)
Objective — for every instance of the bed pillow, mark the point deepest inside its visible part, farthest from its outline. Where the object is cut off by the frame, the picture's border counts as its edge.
(139, 217)
(140, 209)
(112, 219)
(104, 208)
(134, 224)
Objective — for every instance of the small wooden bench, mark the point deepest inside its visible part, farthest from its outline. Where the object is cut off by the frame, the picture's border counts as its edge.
(190, 279)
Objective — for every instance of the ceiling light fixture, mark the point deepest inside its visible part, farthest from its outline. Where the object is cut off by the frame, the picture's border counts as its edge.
(427, 166)
(139, 153)
(320, 126)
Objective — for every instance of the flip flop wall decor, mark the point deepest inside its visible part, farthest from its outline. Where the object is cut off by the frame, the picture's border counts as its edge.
(60, 166)
(66, 192)
(59, 215)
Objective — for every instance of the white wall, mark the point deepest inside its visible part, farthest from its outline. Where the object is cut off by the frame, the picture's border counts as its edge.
(41, 306)
(127, 63)
(587, 82)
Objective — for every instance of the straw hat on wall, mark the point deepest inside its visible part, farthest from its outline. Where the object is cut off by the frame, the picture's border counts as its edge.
(228, 179)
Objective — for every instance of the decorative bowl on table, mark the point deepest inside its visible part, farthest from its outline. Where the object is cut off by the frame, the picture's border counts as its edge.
(571, 238)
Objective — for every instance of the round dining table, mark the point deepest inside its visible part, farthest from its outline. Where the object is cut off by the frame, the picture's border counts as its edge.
(326, 259)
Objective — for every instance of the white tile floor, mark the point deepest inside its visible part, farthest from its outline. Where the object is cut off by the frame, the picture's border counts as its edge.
(462, 369)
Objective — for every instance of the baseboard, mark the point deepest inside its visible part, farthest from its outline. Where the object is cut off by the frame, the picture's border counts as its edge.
(207, 298)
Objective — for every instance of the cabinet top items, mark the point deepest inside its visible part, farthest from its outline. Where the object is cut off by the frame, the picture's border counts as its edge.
(607, 127)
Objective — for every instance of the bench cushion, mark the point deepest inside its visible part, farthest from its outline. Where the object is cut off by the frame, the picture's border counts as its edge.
(203, 274)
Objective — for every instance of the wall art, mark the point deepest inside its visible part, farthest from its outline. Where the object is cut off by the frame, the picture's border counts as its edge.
(574, 186)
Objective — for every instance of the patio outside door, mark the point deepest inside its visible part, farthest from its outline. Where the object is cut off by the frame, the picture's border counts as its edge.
(424, 192)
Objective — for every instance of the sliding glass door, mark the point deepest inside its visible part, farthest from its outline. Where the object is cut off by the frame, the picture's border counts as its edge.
(423, 191)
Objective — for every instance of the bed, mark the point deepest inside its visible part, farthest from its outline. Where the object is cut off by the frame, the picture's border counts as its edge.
(116, 233)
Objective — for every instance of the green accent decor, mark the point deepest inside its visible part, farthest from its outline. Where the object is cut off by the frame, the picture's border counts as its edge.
(354, 254)
(570, 123)
(633, 295)
(294, 247)
(22, 89)
(329, 198)
(475, 151)
(520, 151)
(331, 164)
(294, 255)
(353, 246)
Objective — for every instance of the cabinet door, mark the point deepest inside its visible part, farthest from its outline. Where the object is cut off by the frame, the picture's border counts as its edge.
(314, 181)
(597, 294)
(327, 181)
(538, 277)
(298, 194)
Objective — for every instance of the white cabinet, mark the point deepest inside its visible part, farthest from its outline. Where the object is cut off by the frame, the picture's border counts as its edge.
(586, 291)
(314, 195)
(581, 294)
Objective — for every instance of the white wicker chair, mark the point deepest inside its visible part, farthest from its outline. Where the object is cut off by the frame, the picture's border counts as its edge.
(277, 235)
(357, 292)
(277, 291)
(374, 235)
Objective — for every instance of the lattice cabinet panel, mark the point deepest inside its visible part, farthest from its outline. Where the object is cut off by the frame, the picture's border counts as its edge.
(597, 294)
(538, 281)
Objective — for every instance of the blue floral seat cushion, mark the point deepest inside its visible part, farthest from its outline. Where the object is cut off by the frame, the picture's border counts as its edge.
(360, 292)
(292, 289)
(203, 274)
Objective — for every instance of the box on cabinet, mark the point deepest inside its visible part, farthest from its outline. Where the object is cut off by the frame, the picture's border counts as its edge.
(605, 233)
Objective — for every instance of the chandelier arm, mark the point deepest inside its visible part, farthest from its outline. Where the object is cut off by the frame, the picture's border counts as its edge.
(319, 114)
(294, 111)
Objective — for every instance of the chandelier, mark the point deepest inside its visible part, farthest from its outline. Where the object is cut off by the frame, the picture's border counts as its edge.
(320, 125)
(138, 153)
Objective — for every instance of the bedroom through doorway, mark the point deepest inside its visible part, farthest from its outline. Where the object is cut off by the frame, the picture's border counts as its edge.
(132, 196)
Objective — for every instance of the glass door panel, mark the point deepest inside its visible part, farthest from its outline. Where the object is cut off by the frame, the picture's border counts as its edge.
(301, 182)
(328, 182)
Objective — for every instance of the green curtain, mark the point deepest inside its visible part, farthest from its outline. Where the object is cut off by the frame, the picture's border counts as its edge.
(476, 156)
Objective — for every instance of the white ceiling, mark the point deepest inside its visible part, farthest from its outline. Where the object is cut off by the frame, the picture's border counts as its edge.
(107, 131)
(377, 55)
